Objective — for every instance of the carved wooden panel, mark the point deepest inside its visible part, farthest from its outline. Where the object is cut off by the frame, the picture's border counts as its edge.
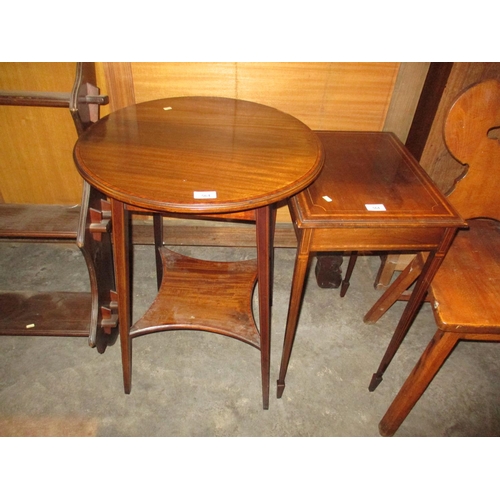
(436, 160)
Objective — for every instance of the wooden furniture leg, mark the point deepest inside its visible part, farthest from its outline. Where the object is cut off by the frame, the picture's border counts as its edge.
(426, 368)
(158, 237)
(414, 303)
(391, 263)
(348, 273)
(395, 291)
(94, 241)
(264, 227)
(271, 250)
(296, 294)
(122, 275)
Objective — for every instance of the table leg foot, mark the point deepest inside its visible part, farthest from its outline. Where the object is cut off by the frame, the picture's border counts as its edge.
(328, 272)
(376, 379)
(127, 386)
(384, 432)
(344, 287)
(281, 388)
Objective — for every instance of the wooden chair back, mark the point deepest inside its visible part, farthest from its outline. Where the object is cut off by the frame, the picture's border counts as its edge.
(465, 291)
(471, 133)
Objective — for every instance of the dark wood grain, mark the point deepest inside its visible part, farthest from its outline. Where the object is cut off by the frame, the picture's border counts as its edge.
(371, 168)
(190, 286)
(229, 235)
(155, 155)
(59, 314)
(26, 221)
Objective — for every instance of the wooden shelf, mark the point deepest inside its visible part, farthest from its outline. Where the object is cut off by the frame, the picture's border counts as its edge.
(63, 314)
(203, 295)
(38, 221)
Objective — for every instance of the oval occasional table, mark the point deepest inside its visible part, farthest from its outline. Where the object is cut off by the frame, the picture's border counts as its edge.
(199, 156)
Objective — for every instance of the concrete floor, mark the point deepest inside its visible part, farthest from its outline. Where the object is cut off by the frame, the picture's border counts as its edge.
(201, 384)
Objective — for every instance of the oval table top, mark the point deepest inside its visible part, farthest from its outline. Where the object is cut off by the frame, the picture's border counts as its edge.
(199, 155)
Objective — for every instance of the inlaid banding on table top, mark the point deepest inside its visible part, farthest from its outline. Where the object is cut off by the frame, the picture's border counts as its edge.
(158, 154)
(371, 169)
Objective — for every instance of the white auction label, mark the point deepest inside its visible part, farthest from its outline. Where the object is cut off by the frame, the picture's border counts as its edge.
(205, 195)
(375, 208)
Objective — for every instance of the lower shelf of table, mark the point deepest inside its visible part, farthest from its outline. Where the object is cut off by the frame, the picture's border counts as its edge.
(65, 314)
(203, 295)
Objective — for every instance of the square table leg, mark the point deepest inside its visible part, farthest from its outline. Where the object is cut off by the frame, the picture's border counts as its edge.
(417, 297)
(296, 293)
(265, 218)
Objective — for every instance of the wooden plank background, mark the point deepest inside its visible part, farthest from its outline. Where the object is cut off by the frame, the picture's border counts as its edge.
(349, 96)
(36, 144)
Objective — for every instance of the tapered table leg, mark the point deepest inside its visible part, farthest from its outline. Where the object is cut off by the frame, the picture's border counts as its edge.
(350, 267)
(122, 276)
(416, 299)
(264, 223)
(296, 293)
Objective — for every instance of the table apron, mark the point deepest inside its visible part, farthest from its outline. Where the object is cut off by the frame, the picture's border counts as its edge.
(373, 239)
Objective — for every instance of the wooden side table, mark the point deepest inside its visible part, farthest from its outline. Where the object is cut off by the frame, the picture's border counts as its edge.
(198, 156)
(371, 195)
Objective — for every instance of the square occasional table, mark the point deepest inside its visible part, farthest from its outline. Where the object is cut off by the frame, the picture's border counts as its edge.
(371, 195)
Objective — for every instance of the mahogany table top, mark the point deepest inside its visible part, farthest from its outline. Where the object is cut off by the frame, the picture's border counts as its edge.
(370, 179)
(199, 155)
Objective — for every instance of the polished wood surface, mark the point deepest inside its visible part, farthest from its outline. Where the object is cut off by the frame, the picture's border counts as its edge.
(465, 291)
(370, 169)
(225, 287)
(159, 155)
(212, 234)
(371, 195)
(23, 220)
(54, 314)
